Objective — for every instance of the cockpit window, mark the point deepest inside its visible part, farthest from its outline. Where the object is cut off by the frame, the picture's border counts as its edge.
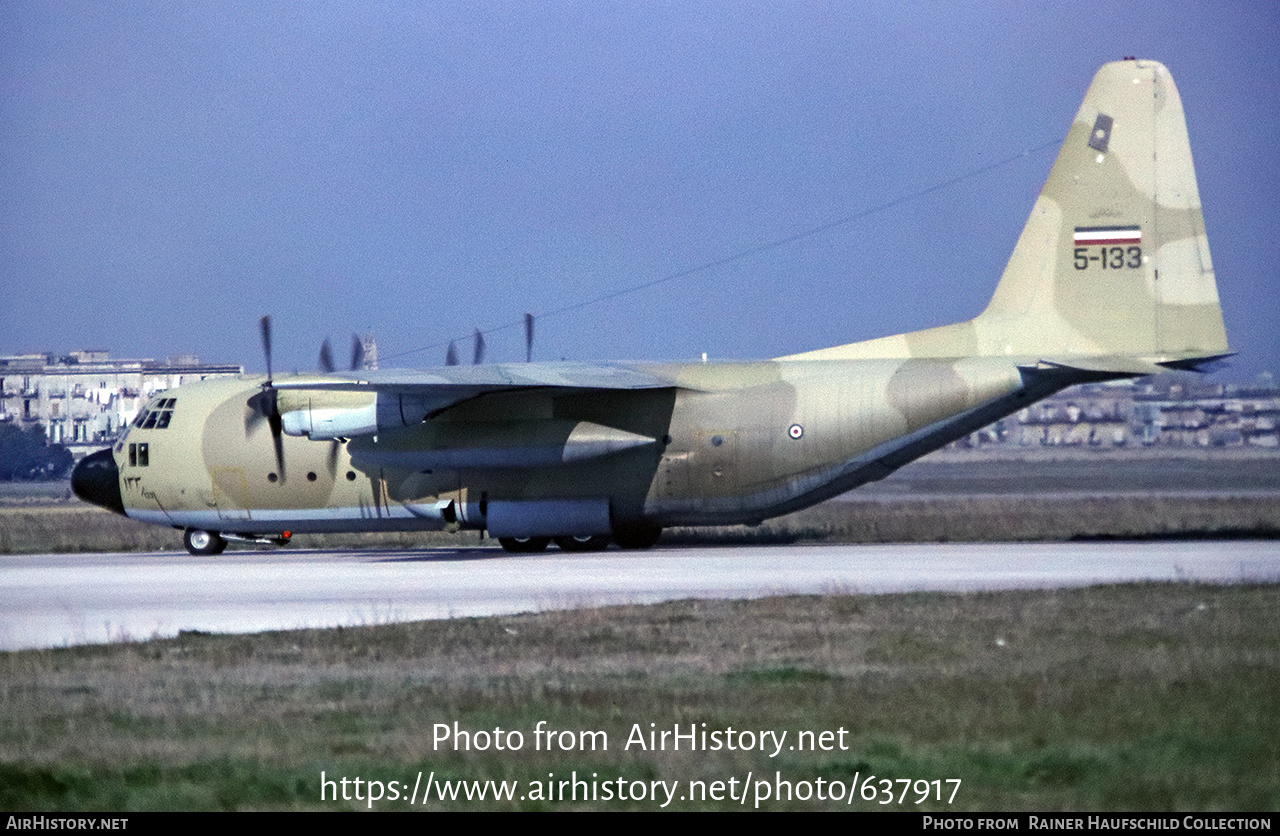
(139, 455)
(156, 415)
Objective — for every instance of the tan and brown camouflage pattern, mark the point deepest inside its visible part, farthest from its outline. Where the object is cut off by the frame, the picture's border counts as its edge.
(719, 443)
(1043, 308)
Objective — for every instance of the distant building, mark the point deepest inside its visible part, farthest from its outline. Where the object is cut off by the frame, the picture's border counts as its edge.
(1166, 411)
(370, 346)
(84, 398)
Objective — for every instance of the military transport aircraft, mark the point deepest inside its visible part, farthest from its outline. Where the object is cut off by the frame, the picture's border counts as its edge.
(1110, 279)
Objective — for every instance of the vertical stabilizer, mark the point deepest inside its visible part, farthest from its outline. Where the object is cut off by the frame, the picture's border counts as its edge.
(1113, 261)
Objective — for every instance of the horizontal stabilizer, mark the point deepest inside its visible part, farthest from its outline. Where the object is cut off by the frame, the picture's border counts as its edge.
(1109, 367)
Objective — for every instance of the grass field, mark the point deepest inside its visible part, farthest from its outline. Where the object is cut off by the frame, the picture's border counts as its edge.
(1147, 697)
(879, 519)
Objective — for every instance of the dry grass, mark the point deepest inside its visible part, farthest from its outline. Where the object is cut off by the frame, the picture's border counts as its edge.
(1009, 518)
(1145, 697)
(74, 527)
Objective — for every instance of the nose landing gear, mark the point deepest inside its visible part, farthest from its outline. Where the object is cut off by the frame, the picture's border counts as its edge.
(203, 542)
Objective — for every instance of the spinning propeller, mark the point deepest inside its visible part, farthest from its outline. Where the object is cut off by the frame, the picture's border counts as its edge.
(326, 355)
(477, 354)
(326, 366)
(264, 403)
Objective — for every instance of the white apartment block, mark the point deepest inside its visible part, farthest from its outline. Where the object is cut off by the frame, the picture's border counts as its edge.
(84, 398)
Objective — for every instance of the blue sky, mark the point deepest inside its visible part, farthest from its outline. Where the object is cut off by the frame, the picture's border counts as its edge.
(169, 172)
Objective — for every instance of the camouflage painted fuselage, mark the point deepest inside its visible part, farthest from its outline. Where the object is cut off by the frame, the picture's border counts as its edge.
(1111, 278)
(725, 443)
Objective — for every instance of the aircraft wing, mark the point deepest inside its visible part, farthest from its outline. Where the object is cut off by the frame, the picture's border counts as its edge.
(488, 377)
(359, 403)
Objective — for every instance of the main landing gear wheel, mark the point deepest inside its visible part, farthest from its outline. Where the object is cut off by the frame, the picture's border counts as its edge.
(598, 543)
(524, 544)
(203, 542)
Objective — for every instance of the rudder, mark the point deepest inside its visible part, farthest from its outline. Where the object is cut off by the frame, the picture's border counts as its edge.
(1113, 262)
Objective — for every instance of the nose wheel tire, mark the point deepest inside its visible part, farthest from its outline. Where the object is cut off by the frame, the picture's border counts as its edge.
(597, 543)
(524, 544)
(203, 542)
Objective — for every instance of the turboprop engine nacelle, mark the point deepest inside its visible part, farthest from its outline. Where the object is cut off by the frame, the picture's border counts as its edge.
(326, 415)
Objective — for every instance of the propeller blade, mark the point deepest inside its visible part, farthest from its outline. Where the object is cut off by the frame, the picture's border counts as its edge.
(277, 437)
(265, 325)
(451, 356)
(357, 352)
(478, 357)
(334, 447)
(263, 407)
(264, 402)
(256, 413)
(326, 357)
(528, 337)
(272, 408)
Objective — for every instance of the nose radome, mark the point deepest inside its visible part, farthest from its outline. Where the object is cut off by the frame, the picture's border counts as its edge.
(96, 479)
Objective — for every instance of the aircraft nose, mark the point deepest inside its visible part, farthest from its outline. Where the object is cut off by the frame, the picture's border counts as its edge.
(96, 479)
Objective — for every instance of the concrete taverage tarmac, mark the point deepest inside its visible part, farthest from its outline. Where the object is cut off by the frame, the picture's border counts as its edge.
(55, 600)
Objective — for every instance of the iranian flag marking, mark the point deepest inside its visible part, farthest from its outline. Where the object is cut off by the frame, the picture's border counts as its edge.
(1088, 235)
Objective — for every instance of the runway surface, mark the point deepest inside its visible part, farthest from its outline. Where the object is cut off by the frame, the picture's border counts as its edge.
(57, 600)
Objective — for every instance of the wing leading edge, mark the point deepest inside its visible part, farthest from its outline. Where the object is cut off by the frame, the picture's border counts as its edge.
(355, 404)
